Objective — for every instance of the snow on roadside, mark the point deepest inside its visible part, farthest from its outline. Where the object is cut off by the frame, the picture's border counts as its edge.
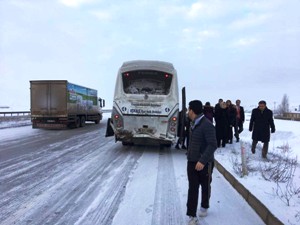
(14, 121)
(287, 135)
(286, 142)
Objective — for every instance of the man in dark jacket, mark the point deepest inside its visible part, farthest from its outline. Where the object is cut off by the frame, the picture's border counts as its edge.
(231, 112)
(217, 110)
(261, 122)
(200, 156)
(208, 111)
(240, 119)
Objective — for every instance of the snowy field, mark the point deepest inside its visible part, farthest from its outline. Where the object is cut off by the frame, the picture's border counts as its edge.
(80, 180)
(283, 202)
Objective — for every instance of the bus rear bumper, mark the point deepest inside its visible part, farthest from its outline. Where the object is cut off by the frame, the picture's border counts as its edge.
(145, 139)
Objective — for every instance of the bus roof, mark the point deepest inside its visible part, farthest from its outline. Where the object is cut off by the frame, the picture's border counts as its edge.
(147, 64)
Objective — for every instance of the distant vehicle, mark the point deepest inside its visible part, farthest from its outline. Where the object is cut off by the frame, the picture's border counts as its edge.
(60, 104)
(146, 104)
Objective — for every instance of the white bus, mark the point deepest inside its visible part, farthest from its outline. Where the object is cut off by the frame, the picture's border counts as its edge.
(146, 104)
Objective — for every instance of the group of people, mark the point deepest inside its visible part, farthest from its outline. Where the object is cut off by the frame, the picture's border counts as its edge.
(204, 138)
(227, 116)
(229, 119)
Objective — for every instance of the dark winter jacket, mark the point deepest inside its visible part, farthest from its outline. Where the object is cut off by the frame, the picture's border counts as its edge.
(261, 122)
(217, 112)
(231, 111)
(242, 114)
(222, 123)
(203, 142)
(208, 112)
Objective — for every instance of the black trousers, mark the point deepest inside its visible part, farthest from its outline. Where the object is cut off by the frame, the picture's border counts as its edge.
(239, 124)
(197, 178)
(230, 134)
(238, 128)
(264, 149)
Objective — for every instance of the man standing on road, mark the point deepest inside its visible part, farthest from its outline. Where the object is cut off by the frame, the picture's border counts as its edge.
(261, 122)
(200, 156)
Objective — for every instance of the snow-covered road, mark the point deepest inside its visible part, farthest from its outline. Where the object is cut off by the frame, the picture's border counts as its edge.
(80, 177)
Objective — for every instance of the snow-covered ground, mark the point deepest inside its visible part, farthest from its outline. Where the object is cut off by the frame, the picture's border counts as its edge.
(285, 142)
(78, 176)
(83, 178)
(10, 122)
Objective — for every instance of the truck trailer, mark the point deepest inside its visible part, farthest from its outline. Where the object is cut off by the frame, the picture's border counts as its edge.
(59, 104)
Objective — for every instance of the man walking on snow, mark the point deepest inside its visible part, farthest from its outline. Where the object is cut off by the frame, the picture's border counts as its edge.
(261, 123)
(200, 156)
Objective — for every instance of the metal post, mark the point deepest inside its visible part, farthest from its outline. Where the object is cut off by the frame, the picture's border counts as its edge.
(244, 164)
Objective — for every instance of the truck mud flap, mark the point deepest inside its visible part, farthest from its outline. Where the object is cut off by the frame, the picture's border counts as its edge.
(109, 130)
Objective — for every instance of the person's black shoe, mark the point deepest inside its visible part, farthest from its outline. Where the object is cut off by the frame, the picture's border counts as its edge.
(183, 147)
(177, 146)
(237, 140)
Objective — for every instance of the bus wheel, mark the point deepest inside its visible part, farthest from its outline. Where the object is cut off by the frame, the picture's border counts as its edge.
(162, 146)
(125, 143)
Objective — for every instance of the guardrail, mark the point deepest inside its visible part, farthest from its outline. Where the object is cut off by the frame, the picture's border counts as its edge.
(288, 116)
(19, 113)
(106, 110)
(27, 113)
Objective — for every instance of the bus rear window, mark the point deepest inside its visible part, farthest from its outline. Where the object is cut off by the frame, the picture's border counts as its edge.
(147, 82)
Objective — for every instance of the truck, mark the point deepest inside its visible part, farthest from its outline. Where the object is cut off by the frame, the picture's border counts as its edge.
(59, 104)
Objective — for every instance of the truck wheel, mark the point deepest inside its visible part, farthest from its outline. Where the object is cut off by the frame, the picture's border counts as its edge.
(82, 121)
(77, 122)
(97, 121)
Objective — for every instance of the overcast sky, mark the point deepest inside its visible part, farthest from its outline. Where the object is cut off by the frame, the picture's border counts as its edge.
(221, 49)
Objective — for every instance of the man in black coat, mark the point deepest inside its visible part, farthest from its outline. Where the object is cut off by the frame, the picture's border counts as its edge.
(217, 110)
(200, 156)
(240, 119)
(261, 122)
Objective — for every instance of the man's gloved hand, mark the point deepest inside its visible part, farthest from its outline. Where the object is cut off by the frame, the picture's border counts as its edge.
(273, 130)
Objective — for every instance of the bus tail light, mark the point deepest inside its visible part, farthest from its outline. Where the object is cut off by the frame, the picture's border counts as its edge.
(117, 119)
(173, 124)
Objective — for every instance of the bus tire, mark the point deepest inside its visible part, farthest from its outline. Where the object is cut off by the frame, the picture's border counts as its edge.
(126, 143)
(162, 146)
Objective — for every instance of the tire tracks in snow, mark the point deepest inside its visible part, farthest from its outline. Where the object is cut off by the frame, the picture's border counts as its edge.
(167, 207)
(26, 175)
(69, 183)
